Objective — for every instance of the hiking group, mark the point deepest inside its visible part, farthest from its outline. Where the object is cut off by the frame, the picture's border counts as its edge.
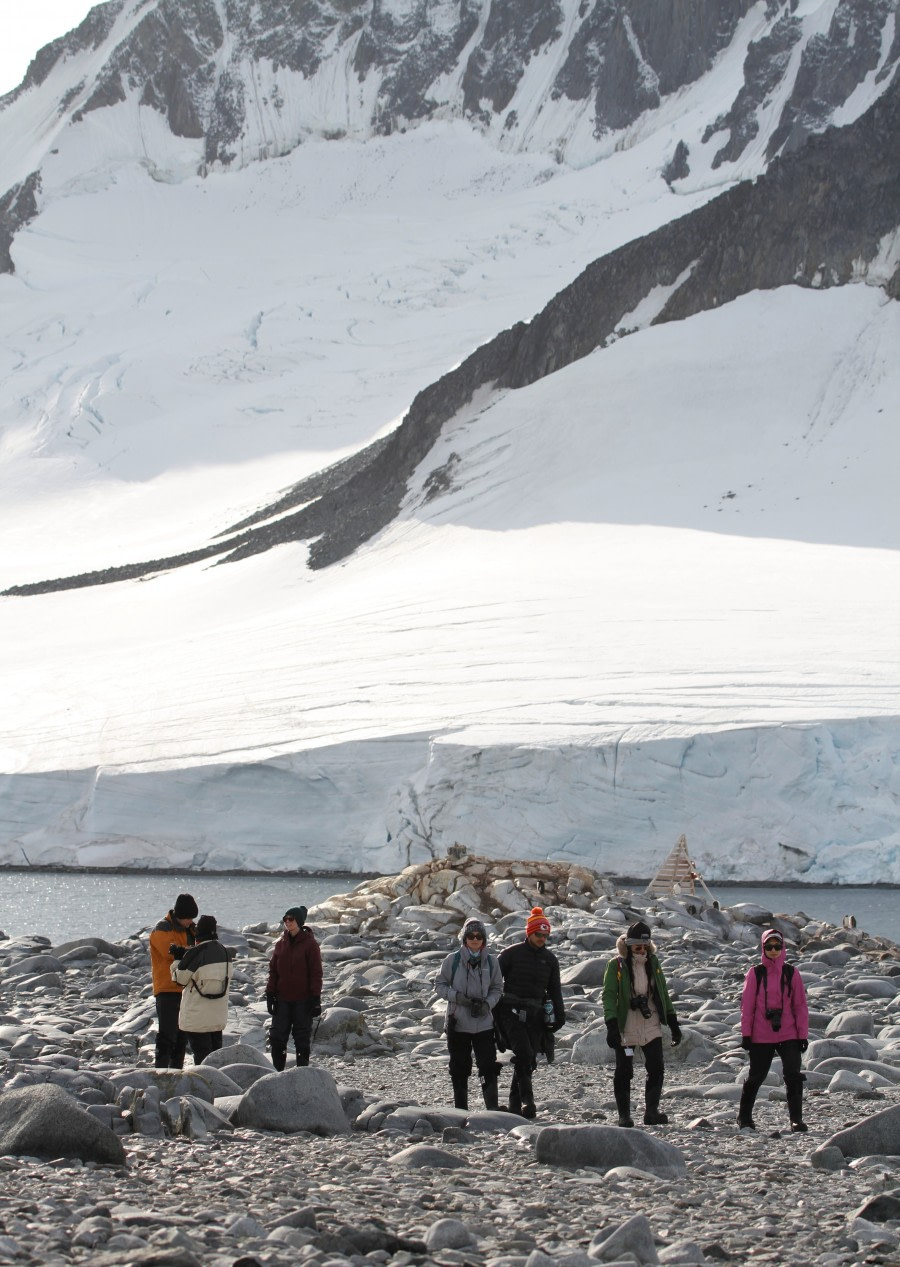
(511, 1001)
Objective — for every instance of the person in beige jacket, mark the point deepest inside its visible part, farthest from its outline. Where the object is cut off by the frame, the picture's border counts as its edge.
(204, 971)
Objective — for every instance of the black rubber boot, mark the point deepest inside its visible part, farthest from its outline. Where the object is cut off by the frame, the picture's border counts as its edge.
(279, 1056)
(490, 1092)
(515, 1099)
(622, 1092)
(302, 1056)
(460, 1091)
(795, 1111)
(527, 1094)
(745, 1108)
(652, 1115)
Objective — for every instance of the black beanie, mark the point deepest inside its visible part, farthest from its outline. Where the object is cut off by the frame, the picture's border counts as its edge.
(298, 912)
(207, 929)
(185, 907)
(638, 934)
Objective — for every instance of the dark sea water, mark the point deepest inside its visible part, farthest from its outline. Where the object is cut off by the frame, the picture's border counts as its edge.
(63, 905)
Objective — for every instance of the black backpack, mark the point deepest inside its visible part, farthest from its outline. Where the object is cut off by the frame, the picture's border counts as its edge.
(787, 976)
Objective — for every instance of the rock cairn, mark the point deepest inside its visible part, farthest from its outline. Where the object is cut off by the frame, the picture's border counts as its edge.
(359, 1159)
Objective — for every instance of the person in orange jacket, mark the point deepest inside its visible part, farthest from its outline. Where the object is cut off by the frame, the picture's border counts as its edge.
(168, 942)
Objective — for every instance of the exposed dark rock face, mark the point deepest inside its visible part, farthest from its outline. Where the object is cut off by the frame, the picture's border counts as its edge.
(17, 207)
(816, 219)
(170, 59)
(632, 55)
(766, 63)
(831, 68)
(515, 31)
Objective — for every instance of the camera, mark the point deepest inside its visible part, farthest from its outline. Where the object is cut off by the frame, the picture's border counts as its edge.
(642, 1005)
(476, 1007)
(773, 1016)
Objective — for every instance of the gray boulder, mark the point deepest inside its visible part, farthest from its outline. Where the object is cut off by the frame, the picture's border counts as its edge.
(448, 1234)
(608, 1146)
(423, 1156)
(342, 1029)
(205, 1082)
(588, 972)
(98, 944)
(851, 1022)
(824, 1048)
(245, 1075)
(437, 1117)
(34, 965)
(890, 1072)
(872, 988)
(878, 1135)
(881, 1208)
(47, 1122)
(237, 1054)
(632, 1239)
(304, 1099)
(194, 1118)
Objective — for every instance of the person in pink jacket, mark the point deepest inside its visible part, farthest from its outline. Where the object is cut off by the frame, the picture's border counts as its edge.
(774, 1018)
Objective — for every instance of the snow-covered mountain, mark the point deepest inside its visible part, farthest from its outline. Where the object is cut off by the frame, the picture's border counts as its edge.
(533, 367)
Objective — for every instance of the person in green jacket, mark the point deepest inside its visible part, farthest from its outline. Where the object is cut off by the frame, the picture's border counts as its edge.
(636, 1004)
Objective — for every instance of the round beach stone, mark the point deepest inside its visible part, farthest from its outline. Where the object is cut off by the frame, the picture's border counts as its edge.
(423, 1156)
(608, 1146)
(304, 1099)
(47, 1122)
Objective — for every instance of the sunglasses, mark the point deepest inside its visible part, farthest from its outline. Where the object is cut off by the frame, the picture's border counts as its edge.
(474, 936)
(289, 919)
(639, 950)
(773, 945)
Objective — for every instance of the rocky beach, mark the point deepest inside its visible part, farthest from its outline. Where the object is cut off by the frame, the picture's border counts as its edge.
(359, 1159)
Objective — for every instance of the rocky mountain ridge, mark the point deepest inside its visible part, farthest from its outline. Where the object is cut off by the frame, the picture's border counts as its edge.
(571, 78)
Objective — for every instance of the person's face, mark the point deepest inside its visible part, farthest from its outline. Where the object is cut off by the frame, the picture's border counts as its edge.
(183, 923)
(640, 952)
(290, 924)
(475, 941)
(537, 939)
(773, 947)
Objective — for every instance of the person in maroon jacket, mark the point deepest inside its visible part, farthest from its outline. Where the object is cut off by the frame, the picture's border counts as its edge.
(294, 988)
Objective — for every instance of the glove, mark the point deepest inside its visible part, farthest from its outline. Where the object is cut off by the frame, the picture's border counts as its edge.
(675, 1030)
(556, 1026)
(746, 1042)
(315, 1006)
(271, 1000)
(177, 952)
(804, 1043)
(613, 1036)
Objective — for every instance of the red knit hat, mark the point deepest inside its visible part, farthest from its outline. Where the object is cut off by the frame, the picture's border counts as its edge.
(537, 922)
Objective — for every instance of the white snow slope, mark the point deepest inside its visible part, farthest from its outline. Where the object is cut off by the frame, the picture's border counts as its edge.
(660, 595)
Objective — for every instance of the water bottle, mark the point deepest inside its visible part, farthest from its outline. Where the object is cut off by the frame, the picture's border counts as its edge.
(549, 1014)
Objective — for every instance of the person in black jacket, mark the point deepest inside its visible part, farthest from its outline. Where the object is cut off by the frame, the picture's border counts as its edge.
(531, 1008)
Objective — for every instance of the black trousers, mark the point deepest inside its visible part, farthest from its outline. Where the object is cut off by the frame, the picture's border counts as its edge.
(653, 1064)
(292, 1018)
(203, 1044)
(171, 1042)
(463, 1046)
(761, 1056)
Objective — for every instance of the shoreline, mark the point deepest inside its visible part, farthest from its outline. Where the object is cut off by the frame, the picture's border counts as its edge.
(620, 881)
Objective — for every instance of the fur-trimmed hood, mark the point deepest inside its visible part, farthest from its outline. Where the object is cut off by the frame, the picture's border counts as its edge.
(622, 949)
